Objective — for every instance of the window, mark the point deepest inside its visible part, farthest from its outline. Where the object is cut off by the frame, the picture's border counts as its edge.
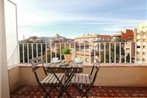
(143, 59)
(138, 46)
(143, 53)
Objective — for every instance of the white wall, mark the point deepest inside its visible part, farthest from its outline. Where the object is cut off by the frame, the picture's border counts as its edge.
(4, 87)
(11, 33)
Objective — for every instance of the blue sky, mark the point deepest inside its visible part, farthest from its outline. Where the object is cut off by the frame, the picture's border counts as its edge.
(72, 18)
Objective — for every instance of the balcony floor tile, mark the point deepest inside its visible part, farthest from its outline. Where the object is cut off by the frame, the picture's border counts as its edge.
(97, 91)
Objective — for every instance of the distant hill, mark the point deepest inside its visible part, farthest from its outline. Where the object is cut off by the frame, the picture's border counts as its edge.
(45, 39)
(57, 37)
(35, 39)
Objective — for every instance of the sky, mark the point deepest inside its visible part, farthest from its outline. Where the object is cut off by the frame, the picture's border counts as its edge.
(71, 18)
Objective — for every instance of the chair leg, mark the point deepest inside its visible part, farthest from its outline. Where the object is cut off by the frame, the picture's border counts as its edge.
(85, 93)
(46, 93)
(45, 96)
(79, 89)
(63, 88)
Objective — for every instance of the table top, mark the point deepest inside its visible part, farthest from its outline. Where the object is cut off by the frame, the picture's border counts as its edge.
(63, 64)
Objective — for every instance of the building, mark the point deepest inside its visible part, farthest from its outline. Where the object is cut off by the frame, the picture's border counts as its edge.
(128, 37)
(93, 37)
(87, 44)
(117, 37)
(141, 43)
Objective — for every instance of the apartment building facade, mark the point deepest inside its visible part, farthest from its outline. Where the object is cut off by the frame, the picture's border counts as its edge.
(128, 37)
(93, 38)
(140, 38)
(88, 44)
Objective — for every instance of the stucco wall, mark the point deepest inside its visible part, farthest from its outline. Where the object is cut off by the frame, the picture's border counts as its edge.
(121, 76)
(132, 76)
(14, 78)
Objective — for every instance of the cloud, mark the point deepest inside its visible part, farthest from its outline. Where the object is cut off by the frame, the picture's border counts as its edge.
(40, 18)
(50, 12)
(78, 15)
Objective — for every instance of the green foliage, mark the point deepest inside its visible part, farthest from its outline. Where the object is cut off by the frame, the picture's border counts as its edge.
(66, 51)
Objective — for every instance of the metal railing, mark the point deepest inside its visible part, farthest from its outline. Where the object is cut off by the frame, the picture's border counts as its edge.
(107, 52)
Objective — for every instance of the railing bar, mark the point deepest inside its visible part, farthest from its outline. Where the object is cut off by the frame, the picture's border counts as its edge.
(135, 53)
(18, 53)
(55, 50)
(146, 49)
(70, 46)
(60, 45)
(37, 50)
(94, 53)
(119, 52)
(104, 52)
(84, 52)
(100, 52)
(46, 51)
(32, 51)
(130, 51)
(23, 52)
(28, 52)
(125, 51)
(50, 51)
(114, 52)
(75, 49)
(109, 52)
(141, 53)
(41, 52)
(89, 55)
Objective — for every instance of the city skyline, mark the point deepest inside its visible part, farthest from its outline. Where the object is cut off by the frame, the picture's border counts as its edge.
(73, 18)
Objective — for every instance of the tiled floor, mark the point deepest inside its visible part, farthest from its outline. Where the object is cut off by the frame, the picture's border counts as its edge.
(98, 92)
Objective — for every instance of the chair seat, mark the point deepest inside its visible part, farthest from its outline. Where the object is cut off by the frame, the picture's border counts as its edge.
(50, 78)
(81, 79)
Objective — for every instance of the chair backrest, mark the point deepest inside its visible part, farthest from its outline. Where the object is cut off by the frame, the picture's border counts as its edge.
(94, 70)
(35, 62)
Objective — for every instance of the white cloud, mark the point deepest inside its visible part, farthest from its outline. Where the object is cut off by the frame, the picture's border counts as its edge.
(36, 12)
(50, 12)
(40, 18)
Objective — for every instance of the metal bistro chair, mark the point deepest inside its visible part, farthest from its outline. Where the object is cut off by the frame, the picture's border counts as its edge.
(82, 80)
(50, 78)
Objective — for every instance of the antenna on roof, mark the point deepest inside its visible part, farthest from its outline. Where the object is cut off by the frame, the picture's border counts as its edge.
(23, 37)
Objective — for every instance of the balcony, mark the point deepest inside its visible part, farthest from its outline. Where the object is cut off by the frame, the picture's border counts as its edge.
(121, 73)
(118, 72)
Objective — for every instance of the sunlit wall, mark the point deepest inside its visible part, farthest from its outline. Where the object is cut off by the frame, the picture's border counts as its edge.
(11, 33)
